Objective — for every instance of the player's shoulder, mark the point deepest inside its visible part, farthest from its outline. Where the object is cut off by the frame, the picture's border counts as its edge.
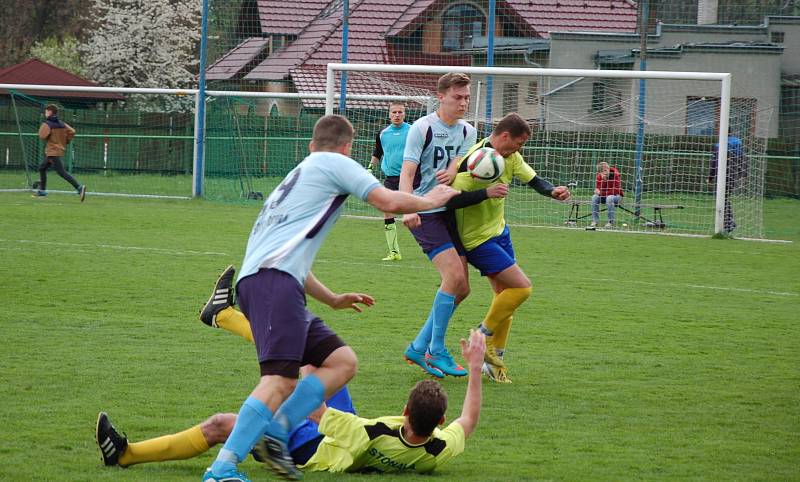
(424, 122)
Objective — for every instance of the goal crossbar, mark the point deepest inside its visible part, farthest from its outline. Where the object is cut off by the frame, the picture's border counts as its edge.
(723, 78)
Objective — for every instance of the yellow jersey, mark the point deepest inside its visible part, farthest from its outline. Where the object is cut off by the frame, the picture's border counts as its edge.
(483, 221)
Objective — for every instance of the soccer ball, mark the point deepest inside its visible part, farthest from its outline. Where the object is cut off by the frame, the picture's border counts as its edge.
(485, 165)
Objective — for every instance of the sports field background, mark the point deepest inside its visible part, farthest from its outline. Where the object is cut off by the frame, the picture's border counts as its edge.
(637, 357)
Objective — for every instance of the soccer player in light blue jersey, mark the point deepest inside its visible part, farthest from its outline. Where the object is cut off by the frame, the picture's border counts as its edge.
(389, 147)
(434, 144)
(272, 287)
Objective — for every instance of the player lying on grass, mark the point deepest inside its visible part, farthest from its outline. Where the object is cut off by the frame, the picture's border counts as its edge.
(486, 238)
(334, 438)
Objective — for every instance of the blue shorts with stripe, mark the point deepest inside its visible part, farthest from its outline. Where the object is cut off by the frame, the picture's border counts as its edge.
(494, 255)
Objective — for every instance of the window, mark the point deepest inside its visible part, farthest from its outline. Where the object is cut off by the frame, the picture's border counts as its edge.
(532, 96)
(702, 115)
(510, 97)
(790, 111)
(460, 24)
(606, 99)
(777, 37)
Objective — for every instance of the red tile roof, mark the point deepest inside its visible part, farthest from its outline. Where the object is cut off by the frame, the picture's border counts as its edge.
(34, 71)
(541, 16)
(373, 21)
(237, 59)
(547, 16)
(290, 18)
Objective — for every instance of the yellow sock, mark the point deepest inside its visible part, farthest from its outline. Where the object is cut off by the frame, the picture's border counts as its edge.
(504, 305)
(233, 320)
(500, 336)
(178, 446)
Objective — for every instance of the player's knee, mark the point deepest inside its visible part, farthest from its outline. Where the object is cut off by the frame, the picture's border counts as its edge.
(217, 428)
(348, 365)
(463, 290)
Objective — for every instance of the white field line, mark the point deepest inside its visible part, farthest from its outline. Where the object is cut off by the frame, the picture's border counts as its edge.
(616, 231)
(118, 247)
(391, 264)
(705, 287)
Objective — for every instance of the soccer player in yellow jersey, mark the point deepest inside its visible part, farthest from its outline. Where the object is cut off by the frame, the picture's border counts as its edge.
(334, 439)
(485, 236)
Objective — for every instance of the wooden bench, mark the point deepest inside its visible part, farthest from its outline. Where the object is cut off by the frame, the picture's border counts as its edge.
(656, 221)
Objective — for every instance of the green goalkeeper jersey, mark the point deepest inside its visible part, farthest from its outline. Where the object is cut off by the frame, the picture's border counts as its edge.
(355, 444)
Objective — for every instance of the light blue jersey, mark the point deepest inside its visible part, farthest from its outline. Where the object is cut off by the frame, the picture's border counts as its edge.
(432, 145)
(389, 148)
(298, 214)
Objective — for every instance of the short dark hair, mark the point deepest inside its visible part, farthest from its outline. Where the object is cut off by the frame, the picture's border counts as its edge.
(514, 124)
(332, 131)
(427, 404)
(397, 102)
(52, 108)
(453, 79)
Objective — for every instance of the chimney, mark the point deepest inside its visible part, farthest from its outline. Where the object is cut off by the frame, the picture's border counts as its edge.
(707, 12)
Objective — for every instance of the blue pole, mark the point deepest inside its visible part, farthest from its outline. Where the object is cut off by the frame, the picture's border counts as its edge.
(490, 63)
(642, 104)
(345, 40)
(200, 114)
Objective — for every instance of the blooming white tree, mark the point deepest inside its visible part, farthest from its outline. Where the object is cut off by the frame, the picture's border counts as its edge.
(143, 43)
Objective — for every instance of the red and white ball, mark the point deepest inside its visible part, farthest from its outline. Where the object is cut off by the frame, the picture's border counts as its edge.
(485, 165)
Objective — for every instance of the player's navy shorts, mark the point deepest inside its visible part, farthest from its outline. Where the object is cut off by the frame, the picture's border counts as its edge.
(392, 182)
(286, 334)
(494, 255)
(437, 233)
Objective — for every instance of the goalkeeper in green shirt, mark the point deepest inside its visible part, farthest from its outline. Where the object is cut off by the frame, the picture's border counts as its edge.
(486, 238)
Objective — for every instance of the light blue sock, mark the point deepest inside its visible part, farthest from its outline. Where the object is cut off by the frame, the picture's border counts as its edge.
(254, 417)
(307, 396)
(443, 306)
(423, 338)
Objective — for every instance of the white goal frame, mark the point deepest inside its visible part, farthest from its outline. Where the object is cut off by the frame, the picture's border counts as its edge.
(725, 80)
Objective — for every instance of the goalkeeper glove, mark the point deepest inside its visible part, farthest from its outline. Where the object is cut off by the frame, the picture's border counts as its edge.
(370, 168)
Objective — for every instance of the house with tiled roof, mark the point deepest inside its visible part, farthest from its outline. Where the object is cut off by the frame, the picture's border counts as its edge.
(432, 32)
(296, 40)
(37, 72)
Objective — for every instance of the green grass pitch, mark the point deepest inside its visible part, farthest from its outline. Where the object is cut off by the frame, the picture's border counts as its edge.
(637, 357)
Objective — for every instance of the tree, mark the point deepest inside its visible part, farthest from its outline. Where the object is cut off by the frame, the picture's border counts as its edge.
(61, 53)
(143, 43)
(22, 22)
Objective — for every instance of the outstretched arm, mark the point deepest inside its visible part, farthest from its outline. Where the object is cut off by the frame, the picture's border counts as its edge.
(337, 301)
(543, 187)
(472, 353)
(390, 201)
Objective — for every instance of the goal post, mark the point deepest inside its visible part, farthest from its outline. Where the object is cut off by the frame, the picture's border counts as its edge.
(581, 117)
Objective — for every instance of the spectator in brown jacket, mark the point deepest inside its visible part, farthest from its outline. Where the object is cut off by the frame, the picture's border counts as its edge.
(57, 134)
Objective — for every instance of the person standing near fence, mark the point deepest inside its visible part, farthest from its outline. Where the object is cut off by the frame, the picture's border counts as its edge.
(58, 135)
(389, 147)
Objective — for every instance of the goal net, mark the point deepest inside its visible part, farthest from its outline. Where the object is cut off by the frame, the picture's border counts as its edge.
(126, 144)
(660, 130)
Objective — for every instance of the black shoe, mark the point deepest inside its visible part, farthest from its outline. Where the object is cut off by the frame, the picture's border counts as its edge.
(111, 443)
(82, 192)
(276, 457)
(221, 297)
